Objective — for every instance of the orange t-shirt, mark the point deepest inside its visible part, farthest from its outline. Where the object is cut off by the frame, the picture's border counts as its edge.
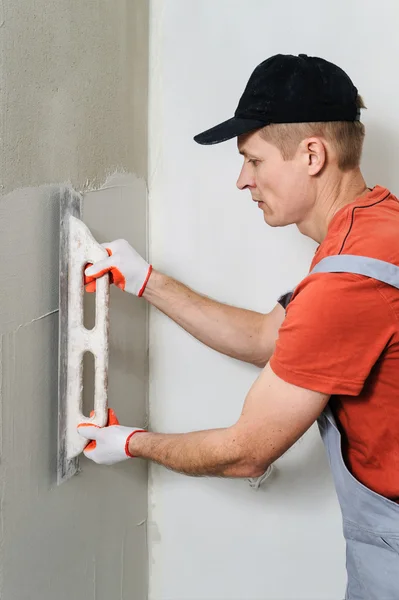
(341, 337)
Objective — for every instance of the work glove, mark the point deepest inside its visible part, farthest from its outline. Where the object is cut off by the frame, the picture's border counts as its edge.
(109, 444)
(127, 269)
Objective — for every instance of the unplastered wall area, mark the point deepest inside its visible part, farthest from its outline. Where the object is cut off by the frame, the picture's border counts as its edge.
(73, 104)
(216, 539)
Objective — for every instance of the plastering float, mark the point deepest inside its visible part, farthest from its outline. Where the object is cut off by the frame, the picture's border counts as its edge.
(77, 248)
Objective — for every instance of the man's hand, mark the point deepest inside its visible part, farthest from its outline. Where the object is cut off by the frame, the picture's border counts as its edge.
(111, 443)
(127, 269)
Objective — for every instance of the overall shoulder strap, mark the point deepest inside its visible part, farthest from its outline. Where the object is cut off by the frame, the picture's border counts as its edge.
(360, 265)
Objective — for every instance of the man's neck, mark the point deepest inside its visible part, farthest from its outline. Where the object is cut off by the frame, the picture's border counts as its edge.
(332, 196)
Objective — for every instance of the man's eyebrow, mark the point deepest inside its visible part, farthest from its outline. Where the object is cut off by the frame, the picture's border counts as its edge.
(247, 154)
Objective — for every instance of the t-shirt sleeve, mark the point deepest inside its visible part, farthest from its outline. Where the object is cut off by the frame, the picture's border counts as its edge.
(335, 329)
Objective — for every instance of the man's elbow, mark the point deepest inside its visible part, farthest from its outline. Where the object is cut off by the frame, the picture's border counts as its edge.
(249, 470)
(245, 460)
(256, 469)
(250, 466)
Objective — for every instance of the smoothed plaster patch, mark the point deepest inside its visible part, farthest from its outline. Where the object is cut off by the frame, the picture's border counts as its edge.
(41, 205)
(95, 556)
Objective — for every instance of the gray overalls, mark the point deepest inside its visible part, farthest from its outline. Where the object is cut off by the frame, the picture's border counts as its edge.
(370, 521)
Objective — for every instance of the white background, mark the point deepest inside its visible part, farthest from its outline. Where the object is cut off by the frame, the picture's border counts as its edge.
(212, 538)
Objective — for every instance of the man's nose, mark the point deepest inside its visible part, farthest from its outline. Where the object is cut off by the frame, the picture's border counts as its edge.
(245, 179)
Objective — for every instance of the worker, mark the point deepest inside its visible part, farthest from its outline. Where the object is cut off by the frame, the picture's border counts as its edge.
(329, 349)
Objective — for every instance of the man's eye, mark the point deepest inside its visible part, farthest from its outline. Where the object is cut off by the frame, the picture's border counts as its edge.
(253, 161)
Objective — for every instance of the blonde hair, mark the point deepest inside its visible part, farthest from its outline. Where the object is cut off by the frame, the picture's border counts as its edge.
(346, 138)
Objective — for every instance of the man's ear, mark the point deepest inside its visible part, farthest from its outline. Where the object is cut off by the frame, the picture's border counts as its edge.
(315, 154)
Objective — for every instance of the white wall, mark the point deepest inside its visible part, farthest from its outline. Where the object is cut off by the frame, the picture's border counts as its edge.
(211, 538)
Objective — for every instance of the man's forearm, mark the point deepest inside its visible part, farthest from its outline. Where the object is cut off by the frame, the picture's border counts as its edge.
(233, 331)
(215, 452)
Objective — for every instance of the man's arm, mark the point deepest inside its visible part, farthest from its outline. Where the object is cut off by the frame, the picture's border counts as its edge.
(275, 415)
(242, 334)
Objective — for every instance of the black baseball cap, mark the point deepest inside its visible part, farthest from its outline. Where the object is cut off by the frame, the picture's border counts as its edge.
(289, 89)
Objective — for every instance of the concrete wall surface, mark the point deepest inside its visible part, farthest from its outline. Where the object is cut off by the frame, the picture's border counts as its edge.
(73, 105)
(73, 90)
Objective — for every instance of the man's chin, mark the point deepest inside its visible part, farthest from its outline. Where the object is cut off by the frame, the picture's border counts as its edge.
(270, 220)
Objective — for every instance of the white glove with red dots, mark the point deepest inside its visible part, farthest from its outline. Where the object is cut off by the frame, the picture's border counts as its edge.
(127, 269)
(110, 444)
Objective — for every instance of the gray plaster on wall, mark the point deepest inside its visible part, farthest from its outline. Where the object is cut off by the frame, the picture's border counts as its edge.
(73, 105)
(84, 539)
(73, 93)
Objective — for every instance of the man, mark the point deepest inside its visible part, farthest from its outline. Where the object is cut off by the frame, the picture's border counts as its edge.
(333, 355)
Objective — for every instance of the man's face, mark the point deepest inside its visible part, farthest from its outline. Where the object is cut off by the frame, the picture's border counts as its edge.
(281, 188)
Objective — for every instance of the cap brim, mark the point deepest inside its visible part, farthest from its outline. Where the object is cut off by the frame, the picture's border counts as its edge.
(228, 130)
